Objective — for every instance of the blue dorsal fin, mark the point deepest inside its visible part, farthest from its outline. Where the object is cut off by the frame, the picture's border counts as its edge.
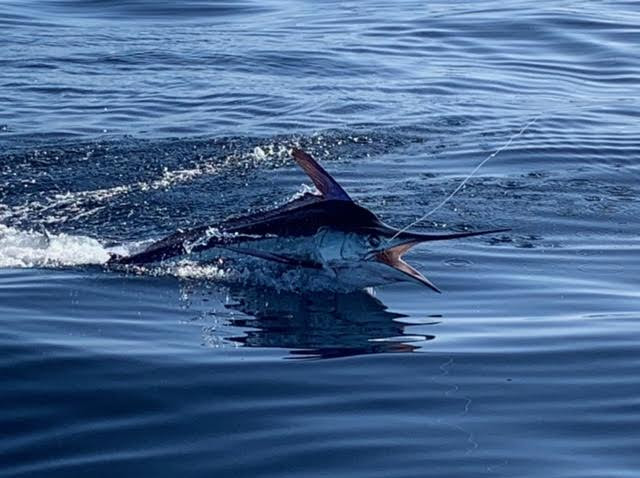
(327, 186)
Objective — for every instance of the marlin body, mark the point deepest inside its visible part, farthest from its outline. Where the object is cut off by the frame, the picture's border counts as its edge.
(326, 234)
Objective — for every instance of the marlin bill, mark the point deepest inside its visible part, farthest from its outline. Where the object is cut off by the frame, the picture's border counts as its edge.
(325, 233)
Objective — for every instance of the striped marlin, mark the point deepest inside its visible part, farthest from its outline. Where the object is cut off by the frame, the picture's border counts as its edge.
(327, 234)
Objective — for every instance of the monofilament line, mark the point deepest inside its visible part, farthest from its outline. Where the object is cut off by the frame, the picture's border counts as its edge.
(465, 180)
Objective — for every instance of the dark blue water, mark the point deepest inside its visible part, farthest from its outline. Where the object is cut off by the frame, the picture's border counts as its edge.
(122, 121)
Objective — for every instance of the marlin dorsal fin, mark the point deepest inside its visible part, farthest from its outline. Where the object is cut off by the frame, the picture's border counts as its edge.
(327, 186)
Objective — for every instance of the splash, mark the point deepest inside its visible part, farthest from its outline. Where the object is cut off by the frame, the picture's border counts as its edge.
(40, 249)
(194, 270)
(303, 191)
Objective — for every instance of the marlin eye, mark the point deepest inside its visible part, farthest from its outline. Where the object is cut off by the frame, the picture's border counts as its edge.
(374, 241)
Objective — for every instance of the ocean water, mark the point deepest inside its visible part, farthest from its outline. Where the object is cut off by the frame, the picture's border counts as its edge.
(123, 121)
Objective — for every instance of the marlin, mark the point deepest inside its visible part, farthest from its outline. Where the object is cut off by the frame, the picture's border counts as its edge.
(326, 233)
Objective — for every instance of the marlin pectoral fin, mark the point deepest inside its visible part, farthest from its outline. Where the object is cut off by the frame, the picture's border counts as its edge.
(328, 187)
(270, 256)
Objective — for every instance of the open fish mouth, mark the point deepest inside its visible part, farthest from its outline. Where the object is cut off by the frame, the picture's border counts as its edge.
(392, 257)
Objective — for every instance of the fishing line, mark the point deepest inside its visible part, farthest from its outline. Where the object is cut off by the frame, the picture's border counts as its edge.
(465, 180)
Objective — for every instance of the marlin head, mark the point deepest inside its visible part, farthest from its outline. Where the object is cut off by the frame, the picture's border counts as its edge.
(363, 247)
(387, 245)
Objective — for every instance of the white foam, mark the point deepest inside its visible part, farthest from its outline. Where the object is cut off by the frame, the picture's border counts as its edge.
(303, 190)
(39, 249)
(271, 152)
(193, 270)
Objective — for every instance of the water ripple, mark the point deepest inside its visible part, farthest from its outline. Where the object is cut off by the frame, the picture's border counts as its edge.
(122, 121)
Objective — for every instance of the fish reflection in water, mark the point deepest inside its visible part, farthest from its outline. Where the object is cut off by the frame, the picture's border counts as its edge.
(327, 325)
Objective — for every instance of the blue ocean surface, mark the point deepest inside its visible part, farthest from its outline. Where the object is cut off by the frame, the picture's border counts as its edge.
(122, 121)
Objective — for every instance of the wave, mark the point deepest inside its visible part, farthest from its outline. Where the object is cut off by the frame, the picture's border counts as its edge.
(136, 10)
